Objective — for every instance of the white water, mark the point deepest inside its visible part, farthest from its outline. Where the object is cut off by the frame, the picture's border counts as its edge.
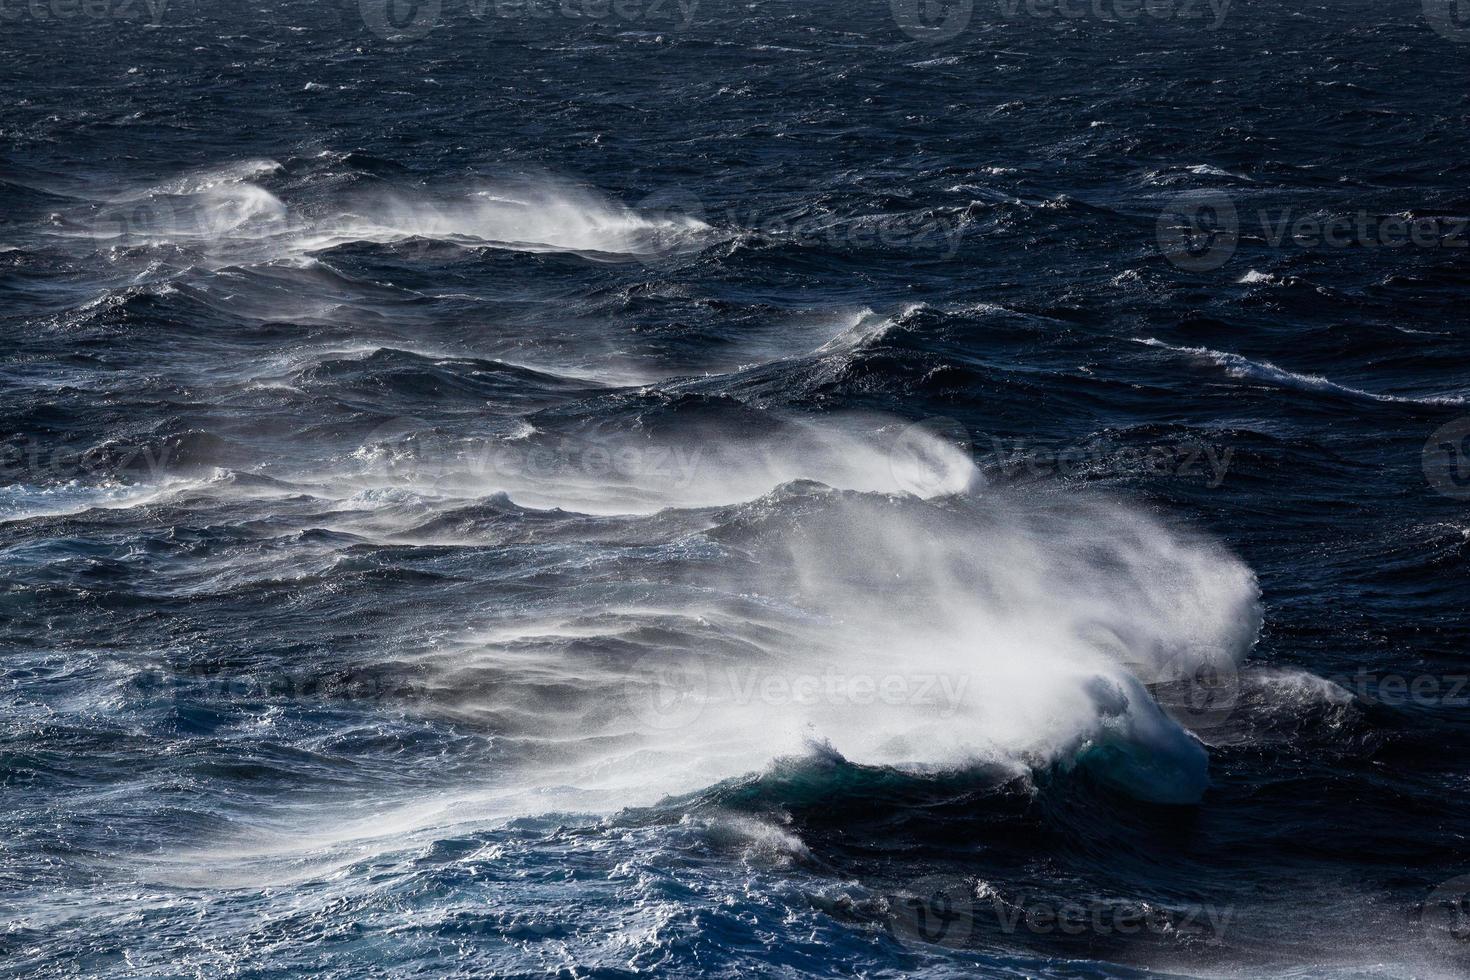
(1238, 366)
(1011, 633)
(924, 621)
(223, 212)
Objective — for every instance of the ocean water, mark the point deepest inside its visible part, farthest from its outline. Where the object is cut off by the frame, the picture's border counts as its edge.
(769, 489)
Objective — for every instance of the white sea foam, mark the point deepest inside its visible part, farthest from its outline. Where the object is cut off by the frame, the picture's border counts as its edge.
(953, 628)
(1238, 366)
(1014, 633)
(224, 209)
(714, 464)
(865, 328)
(20, 502)
(970, 629)
(531, 217)
(218, 215)
(1006, 633)
(887, 634)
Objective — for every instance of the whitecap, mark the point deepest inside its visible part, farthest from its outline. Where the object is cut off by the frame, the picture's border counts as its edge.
(1238, 366)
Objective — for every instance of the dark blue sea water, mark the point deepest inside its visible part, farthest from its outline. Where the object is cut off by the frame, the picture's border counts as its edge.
(767, 489)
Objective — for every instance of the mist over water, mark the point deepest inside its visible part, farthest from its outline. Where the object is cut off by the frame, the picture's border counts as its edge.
(774, 491)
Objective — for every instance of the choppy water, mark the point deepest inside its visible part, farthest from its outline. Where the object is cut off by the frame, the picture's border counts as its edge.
(759, 489)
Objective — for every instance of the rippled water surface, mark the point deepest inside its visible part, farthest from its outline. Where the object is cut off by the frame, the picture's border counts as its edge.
(739, 490)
